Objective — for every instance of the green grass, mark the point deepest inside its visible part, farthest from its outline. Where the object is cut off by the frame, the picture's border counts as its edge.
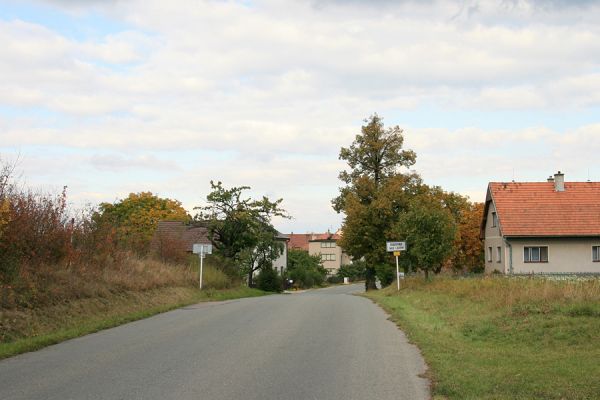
(77, 318)
(503, 338)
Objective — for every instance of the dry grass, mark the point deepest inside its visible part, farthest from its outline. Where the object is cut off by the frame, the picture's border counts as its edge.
(513, 293)
(49, 285)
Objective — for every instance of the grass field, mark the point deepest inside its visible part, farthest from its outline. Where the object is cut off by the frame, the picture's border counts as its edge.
(503, 338)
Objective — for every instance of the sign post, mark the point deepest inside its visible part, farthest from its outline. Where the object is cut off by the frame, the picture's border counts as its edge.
(396, 248)
(201, 250)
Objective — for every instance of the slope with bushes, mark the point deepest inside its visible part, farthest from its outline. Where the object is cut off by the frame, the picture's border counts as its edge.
(65, 273)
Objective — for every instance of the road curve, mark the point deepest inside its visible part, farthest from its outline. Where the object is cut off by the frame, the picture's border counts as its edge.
(321, 344)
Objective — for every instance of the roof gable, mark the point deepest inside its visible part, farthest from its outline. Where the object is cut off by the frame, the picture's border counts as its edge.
(536, 209)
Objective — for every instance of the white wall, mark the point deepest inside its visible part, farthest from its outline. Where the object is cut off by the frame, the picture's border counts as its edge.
(564, 255)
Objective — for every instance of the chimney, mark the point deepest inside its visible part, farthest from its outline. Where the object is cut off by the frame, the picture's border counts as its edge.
(550, 178)
(559, 182)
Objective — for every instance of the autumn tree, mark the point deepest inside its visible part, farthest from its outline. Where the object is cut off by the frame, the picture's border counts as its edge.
(375, 191)
(469, 254)
(136, 217)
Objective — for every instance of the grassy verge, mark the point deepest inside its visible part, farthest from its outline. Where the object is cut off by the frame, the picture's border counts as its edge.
(54, 324)
(503, 338)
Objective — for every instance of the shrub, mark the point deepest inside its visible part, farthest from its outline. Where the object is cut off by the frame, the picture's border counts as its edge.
(269, 281)
(386, 273)
(305, 270)
(355, 271)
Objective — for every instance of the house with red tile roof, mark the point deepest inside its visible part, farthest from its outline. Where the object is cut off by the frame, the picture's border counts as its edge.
(323, 245)
(542, 227)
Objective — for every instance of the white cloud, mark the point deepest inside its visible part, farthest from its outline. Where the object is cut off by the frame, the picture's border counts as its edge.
(274, 89)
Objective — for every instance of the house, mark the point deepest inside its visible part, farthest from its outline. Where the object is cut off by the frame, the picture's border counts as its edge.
(325, 245)
(542, 227)
(174, 239)
(280, 264)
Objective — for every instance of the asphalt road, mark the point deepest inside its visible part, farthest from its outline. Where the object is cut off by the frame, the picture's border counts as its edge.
(321, 344)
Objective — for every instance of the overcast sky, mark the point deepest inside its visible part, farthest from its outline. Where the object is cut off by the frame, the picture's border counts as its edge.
(113, 97)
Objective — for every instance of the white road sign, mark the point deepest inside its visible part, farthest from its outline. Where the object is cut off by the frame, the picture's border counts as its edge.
(200, 248)
(395, 246)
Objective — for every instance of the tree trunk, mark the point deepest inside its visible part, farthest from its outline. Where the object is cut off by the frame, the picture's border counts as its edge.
(250, 283)
(427, 273)
(370, 279)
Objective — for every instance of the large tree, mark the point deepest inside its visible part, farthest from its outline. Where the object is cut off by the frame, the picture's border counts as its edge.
(376, 191)
(241, 228)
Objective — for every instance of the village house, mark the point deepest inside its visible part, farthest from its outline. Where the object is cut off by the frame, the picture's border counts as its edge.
(542, 227)
(323, 245)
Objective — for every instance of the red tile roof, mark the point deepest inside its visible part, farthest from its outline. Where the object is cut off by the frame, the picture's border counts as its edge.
(536, 209)
(177, 232)
(299, 241)
(325, 236)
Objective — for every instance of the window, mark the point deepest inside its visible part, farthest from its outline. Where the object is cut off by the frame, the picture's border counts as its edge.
(494, 220)
(327, 257)
(489, 254)
(327, 244)
(535, 254)
(596, 253)
(498, 254)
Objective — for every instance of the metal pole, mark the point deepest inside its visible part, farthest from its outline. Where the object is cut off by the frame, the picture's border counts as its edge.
(397, 273)
(201, 259)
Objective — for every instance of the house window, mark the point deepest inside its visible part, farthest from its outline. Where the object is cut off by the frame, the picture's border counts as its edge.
(494, 220)
(498, 254)
(490, 254)
(327, 244)
(535, 254)
(596, 253)
(327, 257)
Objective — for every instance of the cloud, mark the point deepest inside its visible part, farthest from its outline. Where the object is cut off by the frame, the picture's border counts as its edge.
(265, 93)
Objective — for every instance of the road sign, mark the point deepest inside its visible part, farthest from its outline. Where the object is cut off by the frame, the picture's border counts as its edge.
(395, 246)
(201, 248)
(396, 253)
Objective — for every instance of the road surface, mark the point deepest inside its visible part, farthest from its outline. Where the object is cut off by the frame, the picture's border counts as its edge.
(321, 344)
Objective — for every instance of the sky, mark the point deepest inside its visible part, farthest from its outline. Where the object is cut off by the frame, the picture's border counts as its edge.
(118, 96)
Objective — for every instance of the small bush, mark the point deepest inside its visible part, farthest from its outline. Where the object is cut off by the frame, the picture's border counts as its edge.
(269, 281)
(354, 272)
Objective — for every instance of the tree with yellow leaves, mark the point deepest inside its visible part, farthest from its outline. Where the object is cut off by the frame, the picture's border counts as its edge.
(136, 217)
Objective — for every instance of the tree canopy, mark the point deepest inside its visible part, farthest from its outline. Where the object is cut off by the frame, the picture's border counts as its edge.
(429, 230)
(136, 217)
(240, 227)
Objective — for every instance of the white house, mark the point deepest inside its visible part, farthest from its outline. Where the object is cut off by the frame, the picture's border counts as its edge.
(542, 227)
